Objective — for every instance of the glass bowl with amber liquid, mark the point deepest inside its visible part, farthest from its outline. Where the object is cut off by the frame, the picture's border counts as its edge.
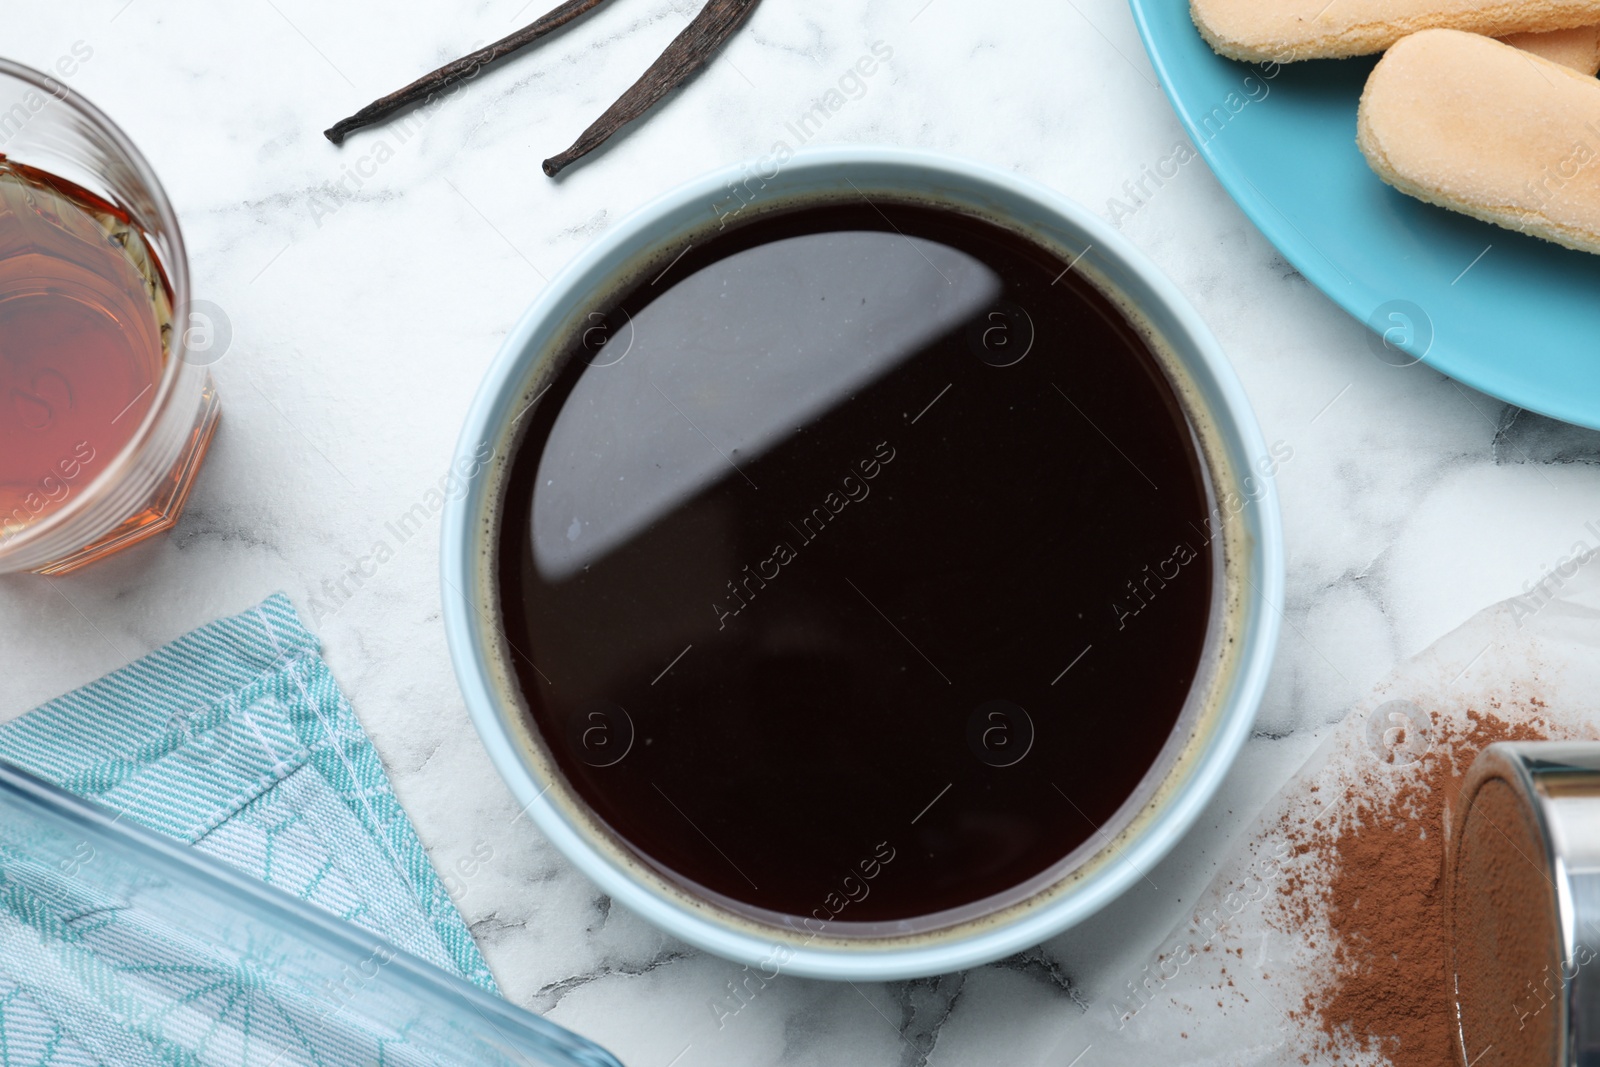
(106, 403)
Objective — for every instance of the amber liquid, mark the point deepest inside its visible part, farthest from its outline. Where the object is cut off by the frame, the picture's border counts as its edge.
(857, 568)
(85, 314)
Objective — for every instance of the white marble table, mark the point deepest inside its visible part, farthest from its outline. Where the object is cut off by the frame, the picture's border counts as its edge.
(366, 297)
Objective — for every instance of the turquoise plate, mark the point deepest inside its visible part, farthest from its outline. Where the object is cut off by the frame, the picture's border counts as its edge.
(1513, 316)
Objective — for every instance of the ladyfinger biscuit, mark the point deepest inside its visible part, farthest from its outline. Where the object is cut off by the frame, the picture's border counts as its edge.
(1578, 49)
(1280, 31)
(1479, 127)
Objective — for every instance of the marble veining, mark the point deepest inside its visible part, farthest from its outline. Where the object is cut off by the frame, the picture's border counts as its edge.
(368, 287)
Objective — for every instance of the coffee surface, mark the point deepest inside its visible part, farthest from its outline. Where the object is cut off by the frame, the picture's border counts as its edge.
(858, 565)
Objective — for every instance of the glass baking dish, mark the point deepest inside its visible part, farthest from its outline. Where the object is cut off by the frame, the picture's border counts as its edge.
(123, 948)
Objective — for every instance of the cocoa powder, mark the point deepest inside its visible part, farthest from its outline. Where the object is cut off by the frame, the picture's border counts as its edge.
(1377, 874)
(1507, 943)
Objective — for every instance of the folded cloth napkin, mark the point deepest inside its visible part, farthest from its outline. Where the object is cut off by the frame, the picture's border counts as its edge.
(235, 739)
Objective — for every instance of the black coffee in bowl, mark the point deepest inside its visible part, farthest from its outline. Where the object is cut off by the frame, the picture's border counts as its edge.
(856, 565)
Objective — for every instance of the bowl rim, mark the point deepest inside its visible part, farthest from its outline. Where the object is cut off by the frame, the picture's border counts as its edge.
(1263, 572)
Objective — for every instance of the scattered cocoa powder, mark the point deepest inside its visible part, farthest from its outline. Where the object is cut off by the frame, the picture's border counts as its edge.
(1376, 873)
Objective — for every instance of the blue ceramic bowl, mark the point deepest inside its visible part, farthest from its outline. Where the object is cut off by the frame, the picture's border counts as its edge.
(1240, 644)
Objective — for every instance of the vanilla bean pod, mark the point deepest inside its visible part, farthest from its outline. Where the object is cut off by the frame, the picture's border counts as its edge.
(687, 53)
(468, 66)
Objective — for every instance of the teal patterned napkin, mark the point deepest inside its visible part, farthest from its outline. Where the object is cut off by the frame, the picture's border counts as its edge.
(236, 740)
